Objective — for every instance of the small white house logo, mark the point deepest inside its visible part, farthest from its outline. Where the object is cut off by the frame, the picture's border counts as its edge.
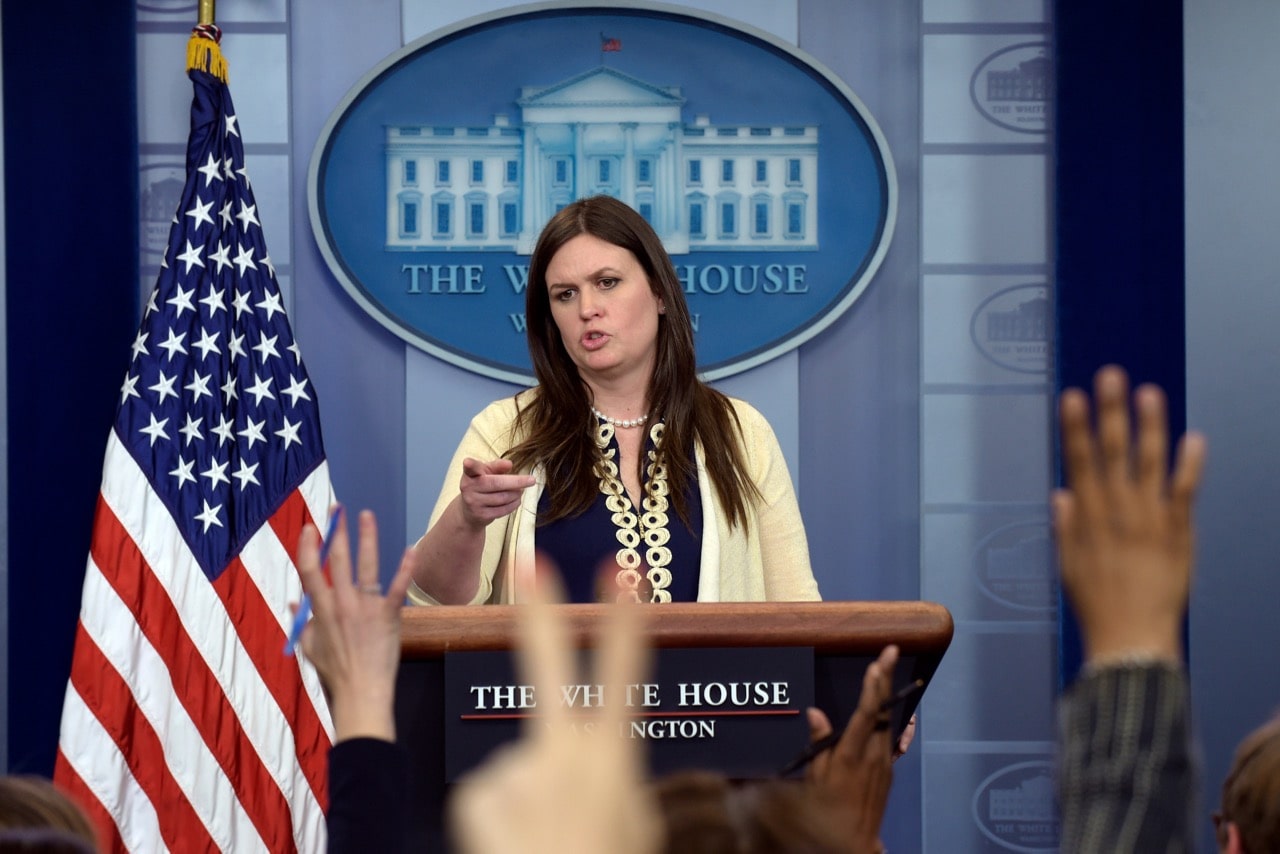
(158, 197)
(1013, 88)
(1011, 328)
(1012, 566)
(1014, 807)
(767, 180)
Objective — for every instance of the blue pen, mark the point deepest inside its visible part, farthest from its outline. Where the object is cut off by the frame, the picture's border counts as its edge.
(304, 607)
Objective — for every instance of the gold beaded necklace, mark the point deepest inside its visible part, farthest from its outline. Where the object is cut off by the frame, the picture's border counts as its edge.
(649, 527)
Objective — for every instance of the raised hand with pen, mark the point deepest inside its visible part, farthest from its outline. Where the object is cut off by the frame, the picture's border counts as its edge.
(354, 640)
(854, 775)
(302, 613)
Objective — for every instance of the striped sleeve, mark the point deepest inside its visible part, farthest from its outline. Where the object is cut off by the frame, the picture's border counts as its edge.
(1126, 771)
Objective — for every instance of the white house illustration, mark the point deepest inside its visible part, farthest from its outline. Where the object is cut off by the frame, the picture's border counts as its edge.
(1030, 800)
(701, 186)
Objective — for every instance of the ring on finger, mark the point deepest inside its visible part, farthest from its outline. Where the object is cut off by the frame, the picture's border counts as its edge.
(373, 589)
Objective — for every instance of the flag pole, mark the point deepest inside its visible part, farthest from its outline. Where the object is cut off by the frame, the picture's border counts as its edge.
(203, 53)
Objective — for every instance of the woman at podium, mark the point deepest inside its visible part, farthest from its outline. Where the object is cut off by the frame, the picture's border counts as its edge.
(620, 455)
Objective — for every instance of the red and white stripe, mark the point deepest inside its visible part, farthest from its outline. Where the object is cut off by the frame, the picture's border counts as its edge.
(183, 719)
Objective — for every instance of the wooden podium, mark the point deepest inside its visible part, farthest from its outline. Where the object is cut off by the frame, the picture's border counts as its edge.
(845, 637)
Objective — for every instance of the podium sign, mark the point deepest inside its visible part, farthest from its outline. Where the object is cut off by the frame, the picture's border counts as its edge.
(739, 710)
(833, 641)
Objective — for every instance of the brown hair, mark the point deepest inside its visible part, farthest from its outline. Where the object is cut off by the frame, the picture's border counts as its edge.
(705, 813)
(36, 816)
(557, 420)
(1251, 791)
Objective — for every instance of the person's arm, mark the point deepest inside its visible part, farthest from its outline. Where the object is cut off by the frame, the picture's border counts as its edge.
(353, 641)
(1126, 772)
(447, 558)
(1124, 533)
(461, 542)
(369, 801)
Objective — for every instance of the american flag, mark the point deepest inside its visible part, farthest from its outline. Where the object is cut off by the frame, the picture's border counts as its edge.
(609, 45)
(184, 726)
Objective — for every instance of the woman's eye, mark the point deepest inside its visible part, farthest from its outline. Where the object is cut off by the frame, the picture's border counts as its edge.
(564, 295)
(608, 282)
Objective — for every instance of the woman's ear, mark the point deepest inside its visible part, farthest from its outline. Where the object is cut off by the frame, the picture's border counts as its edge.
(1234, 845)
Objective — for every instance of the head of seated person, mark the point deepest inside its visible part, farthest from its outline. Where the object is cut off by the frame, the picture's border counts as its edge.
(706, 813)
(36, 817)
(1248, 822)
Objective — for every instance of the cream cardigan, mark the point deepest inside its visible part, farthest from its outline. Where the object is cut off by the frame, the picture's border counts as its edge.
(769, 562)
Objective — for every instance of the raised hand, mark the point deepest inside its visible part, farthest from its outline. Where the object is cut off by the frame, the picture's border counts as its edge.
(854, 776)
(353, 638)
(561, 788)
(1123, 523)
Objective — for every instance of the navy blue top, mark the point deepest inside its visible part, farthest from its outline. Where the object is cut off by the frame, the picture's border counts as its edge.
(580, 545)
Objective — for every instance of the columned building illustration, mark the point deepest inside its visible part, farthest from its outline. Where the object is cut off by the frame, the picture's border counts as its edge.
(701, 186)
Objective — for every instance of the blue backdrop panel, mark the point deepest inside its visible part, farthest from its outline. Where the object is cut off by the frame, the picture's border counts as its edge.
(1120, 259)
(71, 241)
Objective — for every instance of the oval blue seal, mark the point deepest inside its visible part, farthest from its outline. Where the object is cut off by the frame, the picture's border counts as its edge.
(766, 178)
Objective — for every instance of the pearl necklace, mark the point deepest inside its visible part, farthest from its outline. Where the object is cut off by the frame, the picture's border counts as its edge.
(624, 423)
(649, 528)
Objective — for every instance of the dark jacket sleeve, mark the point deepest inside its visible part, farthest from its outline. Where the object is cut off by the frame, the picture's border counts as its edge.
(1127, 776)
(368, 797)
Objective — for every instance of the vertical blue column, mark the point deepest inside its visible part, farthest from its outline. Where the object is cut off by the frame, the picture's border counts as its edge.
(71, 237)
(1120, 257)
